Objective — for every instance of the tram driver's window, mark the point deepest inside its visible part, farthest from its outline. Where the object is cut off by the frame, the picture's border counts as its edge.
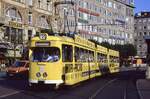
(67, 53)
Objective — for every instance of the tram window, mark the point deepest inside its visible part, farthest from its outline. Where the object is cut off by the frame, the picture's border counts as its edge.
(46, 54)
(91, 56)
(99, 57)
(81, 55)
(111, 59)
(77, 53)
(67, 53)
(105, 58)
(102, 58)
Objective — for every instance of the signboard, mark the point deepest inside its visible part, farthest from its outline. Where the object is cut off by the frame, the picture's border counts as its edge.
(42, 44)
(15, 25)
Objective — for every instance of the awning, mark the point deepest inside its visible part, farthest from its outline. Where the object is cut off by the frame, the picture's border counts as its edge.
(3, 47)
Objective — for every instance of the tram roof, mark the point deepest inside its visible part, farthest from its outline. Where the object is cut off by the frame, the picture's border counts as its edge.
(102, 49)
(77, 40)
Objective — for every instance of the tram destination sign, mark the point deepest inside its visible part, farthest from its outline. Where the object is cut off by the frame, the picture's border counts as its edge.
(42, 44)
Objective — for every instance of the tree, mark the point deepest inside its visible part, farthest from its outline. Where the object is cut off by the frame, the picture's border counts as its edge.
(124, 50)
(107, 45)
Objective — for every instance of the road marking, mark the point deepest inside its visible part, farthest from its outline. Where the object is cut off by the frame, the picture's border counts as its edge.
(10, 94)
(125, 91)
(100, 89)
(138, 89)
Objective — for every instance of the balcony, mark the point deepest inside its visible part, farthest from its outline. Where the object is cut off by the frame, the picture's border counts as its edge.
(15, 2)
(2, 20)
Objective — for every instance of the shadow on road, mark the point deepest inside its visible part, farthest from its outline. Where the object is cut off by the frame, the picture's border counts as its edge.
(19, 83)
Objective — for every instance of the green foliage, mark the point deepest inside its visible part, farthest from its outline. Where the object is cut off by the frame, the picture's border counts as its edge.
(125, 50)
(107, 45)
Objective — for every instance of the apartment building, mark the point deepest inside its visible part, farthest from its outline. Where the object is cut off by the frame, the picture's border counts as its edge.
(142, 32)
(104, 20)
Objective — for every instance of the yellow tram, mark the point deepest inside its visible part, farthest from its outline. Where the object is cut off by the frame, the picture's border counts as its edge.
(65, 60)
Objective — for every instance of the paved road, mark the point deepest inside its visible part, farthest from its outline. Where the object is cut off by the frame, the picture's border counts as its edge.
(118, 86)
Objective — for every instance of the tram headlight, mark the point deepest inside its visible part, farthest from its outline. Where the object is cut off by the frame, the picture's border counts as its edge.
(38, 74)
(45, 74)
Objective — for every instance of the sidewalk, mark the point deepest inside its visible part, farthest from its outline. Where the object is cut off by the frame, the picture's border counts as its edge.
(143, 87)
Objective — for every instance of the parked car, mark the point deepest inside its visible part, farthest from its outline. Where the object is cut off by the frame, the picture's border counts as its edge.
(18, 68)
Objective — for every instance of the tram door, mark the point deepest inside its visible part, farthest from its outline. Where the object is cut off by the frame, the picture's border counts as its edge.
(67, 59)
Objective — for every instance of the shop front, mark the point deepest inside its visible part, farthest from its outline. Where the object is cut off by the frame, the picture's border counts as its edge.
(3, 51)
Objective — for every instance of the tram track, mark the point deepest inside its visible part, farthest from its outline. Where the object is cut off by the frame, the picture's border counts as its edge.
(66, 92)
(131, 90)
(118, 87)
(125, 91)
(128, 91)
(102, 88)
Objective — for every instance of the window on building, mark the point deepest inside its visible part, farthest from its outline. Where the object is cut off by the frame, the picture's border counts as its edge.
(139, 21)
(144, 20)
(110, 4)
(48, 5)
(16, 35)
(135, 27)
(14, 15)
(148, 27)
(42, 22)
(39, 3)
(20, 1)
(145, 27)
(140, 27)
(140, 46)
(20, 36)
(29, 34)
(140, 34)
(30, 3)
(30, 18)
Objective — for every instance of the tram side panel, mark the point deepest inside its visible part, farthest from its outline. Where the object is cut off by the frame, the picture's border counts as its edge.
(113, 57)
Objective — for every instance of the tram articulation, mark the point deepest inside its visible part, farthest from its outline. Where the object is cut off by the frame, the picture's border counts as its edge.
(71, 60)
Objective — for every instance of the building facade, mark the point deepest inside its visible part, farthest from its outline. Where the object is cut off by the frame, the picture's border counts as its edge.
(104, 20)
(19, 21)
(142, 31)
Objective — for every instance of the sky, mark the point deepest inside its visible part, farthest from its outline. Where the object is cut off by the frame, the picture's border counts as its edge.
(142, 5)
